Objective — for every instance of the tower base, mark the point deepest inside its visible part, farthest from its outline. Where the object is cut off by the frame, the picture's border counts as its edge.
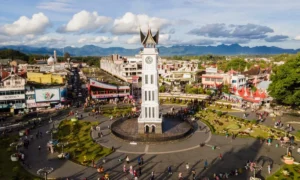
(150, 127)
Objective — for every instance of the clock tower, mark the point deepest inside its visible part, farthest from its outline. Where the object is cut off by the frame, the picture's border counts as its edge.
(150, 120)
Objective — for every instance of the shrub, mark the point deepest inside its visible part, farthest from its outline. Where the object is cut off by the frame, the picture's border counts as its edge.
(219, 113)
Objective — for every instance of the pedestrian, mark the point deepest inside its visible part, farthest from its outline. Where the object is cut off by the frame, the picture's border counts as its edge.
(220, 156)
(187, 166)
(180, 175)
(124, 168)
(127, 159)
(99, 135)
(142, 160)
(170, 170)
(139, 160)
(269, 169)
(194, 174)
(39, 148)
(205, 164)
(140, 171)
(152, 175)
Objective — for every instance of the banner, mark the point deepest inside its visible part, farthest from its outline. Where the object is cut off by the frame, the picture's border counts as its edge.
(47, 95)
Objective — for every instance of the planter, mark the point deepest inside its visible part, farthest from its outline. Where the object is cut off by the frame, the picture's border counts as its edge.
(287, 159)
(14, 157)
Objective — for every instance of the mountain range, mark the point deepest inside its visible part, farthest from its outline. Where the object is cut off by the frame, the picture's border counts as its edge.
(92, 50)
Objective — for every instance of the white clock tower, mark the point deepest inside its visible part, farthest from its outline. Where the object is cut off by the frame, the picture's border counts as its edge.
(150, 120)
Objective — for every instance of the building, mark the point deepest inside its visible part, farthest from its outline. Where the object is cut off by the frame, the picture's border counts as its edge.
(212, 79)
(178, 72)
(150, 119)
(12, 94)
(45, 78)
(104, 91)
(124, 68)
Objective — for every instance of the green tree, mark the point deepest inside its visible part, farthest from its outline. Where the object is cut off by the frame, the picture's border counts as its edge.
(285, 86)
(162, 88)
(66, 56)
(225, 88)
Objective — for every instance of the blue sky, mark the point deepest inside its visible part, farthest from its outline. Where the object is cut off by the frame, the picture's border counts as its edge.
(108, 23)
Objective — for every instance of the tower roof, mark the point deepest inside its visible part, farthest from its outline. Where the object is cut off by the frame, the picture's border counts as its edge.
(149, 38)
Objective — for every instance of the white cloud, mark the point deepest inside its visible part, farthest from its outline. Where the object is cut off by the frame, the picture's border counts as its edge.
(85, 21)
(56, 5)
(26, 26)
(45, 41)
(134, 40)
(130, 23)
(98, 40)
(297, 38)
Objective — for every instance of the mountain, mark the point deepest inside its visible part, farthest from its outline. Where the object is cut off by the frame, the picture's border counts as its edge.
(91, 50)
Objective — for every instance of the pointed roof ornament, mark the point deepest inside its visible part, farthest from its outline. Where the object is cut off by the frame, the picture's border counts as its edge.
(149, 38)
(246, 69)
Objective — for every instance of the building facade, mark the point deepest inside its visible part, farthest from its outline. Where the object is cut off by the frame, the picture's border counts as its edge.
(150, 120)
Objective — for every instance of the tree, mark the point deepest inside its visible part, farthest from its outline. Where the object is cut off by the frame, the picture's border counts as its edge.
(285, 86)
(162, 88)
(66, 56)
(225, 89)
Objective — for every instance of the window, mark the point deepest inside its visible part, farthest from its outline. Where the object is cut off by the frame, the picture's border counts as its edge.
(233, 81)
(153, 112)
(152, 95)
(152, 79)
(146, 79)
(145, 112)
(149, 112)
(7, 83)
(145, 95)
(207, 79)
(149, 95)
(17, 82)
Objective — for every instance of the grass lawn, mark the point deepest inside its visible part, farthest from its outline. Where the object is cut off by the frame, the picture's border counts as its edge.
(293, 173)
(81, 146)
(9, 169)
(226, 123)
(222, 109)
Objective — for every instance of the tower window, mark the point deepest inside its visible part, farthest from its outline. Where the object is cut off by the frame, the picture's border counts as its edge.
(146, 79)
(151, 79)
(153, 112)
(152, 95)
(145, 95)
(149, 95)
(149, 112)
(146, 112)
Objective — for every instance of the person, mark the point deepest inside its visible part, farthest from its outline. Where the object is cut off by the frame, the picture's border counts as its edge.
(152, 175)
(142, 160)
(220, 156)
(180, 175)
(127, 159)
(205, 164)
(140, 171)
(113, 149)
(269, 169)
(170, 170)
(124, 168)
(39, 148)
(187, 166)
(194, 174)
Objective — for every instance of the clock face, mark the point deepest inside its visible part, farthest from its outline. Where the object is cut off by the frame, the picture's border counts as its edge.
(149, 59)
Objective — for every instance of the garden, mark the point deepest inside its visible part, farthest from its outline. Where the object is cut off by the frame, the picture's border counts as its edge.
(75, 135)
(222, 123)
(286, 172)
(11, 169)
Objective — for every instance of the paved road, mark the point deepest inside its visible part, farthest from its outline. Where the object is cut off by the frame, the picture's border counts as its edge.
(235, 154)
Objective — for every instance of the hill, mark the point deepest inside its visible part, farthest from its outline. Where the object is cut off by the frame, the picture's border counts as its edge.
(92, 50)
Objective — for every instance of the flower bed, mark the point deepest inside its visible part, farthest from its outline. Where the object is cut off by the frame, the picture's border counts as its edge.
(286, 172)
(223, 123)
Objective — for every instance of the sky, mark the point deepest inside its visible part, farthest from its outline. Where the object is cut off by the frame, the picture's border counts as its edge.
(116, 23)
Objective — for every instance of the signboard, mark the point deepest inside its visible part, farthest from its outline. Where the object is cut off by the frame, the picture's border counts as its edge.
(47, 95)
(32, 105)
(10, 97)
(46, 68)
(108, 95)
(211, 70)
(4, 106)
